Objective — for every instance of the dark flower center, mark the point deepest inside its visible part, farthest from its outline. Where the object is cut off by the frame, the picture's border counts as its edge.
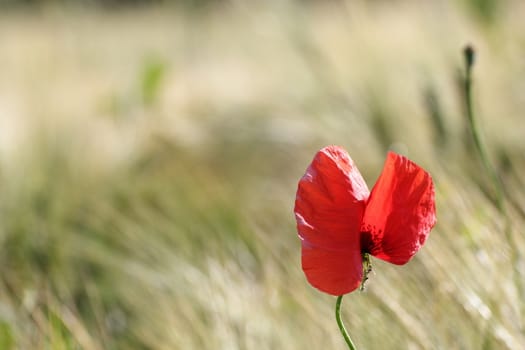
(366, 242)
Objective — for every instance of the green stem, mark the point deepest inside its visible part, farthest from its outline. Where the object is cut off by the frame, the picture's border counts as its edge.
(515, 255)
(342, 328)
(475, 133)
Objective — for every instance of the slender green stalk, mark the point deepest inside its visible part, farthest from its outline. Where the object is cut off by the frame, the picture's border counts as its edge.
(469, 54)
(342, 328)
(475, 133)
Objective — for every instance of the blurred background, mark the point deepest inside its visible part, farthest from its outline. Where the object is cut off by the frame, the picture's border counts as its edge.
(150, 153)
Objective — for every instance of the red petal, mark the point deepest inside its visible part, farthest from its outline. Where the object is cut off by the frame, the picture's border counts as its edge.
(333, 272)
(329, 207)
(400, 212)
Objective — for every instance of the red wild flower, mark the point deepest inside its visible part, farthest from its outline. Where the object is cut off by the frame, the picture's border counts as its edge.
(339, 220)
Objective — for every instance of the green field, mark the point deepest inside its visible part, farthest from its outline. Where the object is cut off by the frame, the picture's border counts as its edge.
(149, 160)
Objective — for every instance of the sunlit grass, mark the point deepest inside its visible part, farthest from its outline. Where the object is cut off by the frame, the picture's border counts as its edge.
(149, 162)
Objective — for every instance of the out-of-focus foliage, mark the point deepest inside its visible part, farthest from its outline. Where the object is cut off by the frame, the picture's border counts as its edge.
(151, 80)
(79, 2)
(487, 10)
(149, 160)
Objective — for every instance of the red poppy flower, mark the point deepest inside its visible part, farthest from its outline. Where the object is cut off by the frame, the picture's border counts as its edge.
(338, 219)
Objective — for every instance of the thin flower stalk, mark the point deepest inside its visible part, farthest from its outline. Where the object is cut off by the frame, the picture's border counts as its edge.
(342, 328)
(469, 56)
